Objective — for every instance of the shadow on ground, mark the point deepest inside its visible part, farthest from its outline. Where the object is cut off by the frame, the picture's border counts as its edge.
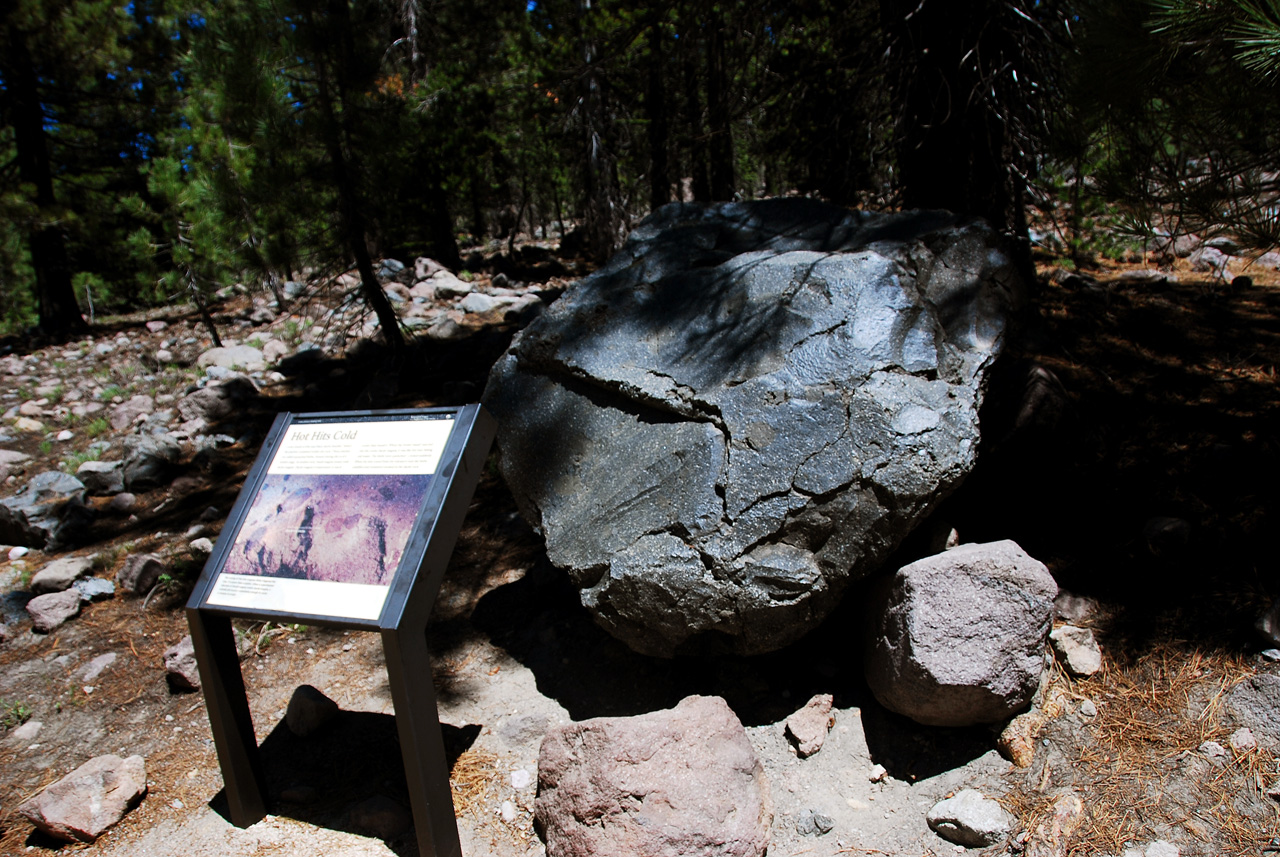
(354, 761)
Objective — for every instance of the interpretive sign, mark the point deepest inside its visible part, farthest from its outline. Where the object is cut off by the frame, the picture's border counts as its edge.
(346, 520)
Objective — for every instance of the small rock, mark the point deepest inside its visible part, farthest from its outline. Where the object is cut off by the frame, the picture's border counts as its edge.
(1073, 608)
(1077, 649)
(28, 424)
(18, 553)
(201, 546)
(157, 325)
(508, 811)
(971, 819)
(813, 823)
(1161, 848)
(1214, 752)
(125, 414)
(60, 574)
(1243, 741)
(102, 477)
(877, 773)
(808, 727)
(521, 779)
(24, 734)
(309, 711)
(81, 806)
(65, 435)
(1017, 742)
(1272, 655)
(181, 669)
(94, 589)
(140, 573)
(97, 666)
(381, 816)
(49, 611)
(1089, 708)
(122, 503)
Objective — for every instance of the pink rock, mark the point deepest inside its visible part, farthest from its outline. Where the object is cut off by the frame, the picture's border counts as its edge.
(808, 727)
(180, 665)
(666, 784)
(50, 611)
(90, 799)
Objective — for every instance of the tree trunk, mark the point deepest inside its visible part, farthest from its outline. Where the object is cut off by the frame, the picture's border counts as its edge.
(721, 142)
(59, 313)
(349, 212)
(656, 107)
(605, 218)
(952, 146)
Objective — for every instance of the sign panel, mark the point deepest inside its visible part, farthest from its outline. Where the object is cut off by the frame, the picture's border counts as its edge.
(327, 529)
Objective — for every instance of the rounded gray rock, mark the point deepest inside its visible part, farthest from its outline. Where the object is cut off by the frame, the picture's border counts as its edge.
(748, 408)
(971, 819)
(958, 638)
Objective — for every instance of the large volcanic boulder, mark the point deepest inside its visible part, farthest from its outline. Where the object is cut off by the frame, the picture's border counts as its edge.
(747, 408)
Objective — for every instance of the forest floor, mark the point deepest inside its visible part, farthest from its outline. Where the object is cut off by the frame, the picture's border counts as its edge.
(1167, 408)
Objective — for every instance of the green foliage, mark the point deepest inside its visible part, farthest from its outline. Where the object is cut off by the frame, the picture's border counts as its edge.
(73, 461)
(13, 714)
(97, 427)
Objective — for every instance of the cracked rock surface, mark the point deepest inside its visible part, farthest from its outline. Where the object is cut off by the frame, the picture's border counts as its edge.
(748, 408)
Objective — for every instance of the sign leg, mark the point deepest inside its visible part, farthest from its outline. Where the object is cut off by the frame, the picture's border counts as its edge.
(418, 724)
(229, 718)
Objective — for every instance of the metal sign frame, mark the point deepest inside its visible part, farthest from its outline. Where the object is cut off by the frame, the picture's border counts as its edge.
(401, 622)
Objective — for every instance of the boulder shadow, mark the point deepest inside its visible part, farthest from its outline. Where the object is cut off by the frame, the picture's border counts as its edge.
(540, 622)
(911, 751)
(355, 760)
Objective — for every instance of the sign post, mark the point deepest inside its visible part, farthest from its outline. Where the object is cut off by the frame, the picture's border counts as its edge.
(346, 520)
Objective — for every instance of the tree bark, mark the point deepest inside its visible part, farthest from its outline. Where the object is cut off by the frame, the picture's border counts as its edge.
(59, 313)
(656, 107)
(721, 143)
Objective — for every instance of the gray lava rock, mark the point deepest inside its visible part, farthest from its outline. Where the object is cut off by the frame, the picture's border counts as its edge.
(788, 387)
(180, 665)
(94, 589)
(666, 784)
(49, 611)
(102, 477)
(309, 711)
(149, 460)
(140, 572)
(231, 357)
(217, 401)
(958, 638)
(83, 804)
(124, 415)
(61, 574)
(971, 819)
(48, 512)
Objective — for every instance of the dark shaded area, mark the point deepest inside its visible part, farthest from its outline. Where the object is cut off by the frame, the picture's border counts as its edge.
(319, 779)
(1132, 442)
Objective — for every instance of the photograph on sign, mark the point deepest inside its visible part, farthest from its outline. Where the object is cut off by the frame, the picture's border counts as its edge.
(326, 531)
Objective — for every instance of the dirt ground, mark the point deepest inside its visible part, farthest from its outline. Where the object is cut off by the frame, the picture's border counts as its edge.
(1163, 404)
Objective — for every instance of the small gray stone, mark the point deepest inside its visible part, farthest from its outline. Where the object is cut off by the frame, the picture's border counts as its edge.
(122, 504)
(230, 357)
(309, 711)
(49, 611)
(47, 512)
(181, 669)
(813, 823)
(201, 546)
(140, 573)
(149, 460)
(970, 818)
(1089, 708)
(24, 734)
(124, 415)
(1077, 649)
(1214, 752)
(60, 574)
(521, 729)
(94, 588)
(1272, 655)
(81, 806)
(1161, 848)
(97, 666)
